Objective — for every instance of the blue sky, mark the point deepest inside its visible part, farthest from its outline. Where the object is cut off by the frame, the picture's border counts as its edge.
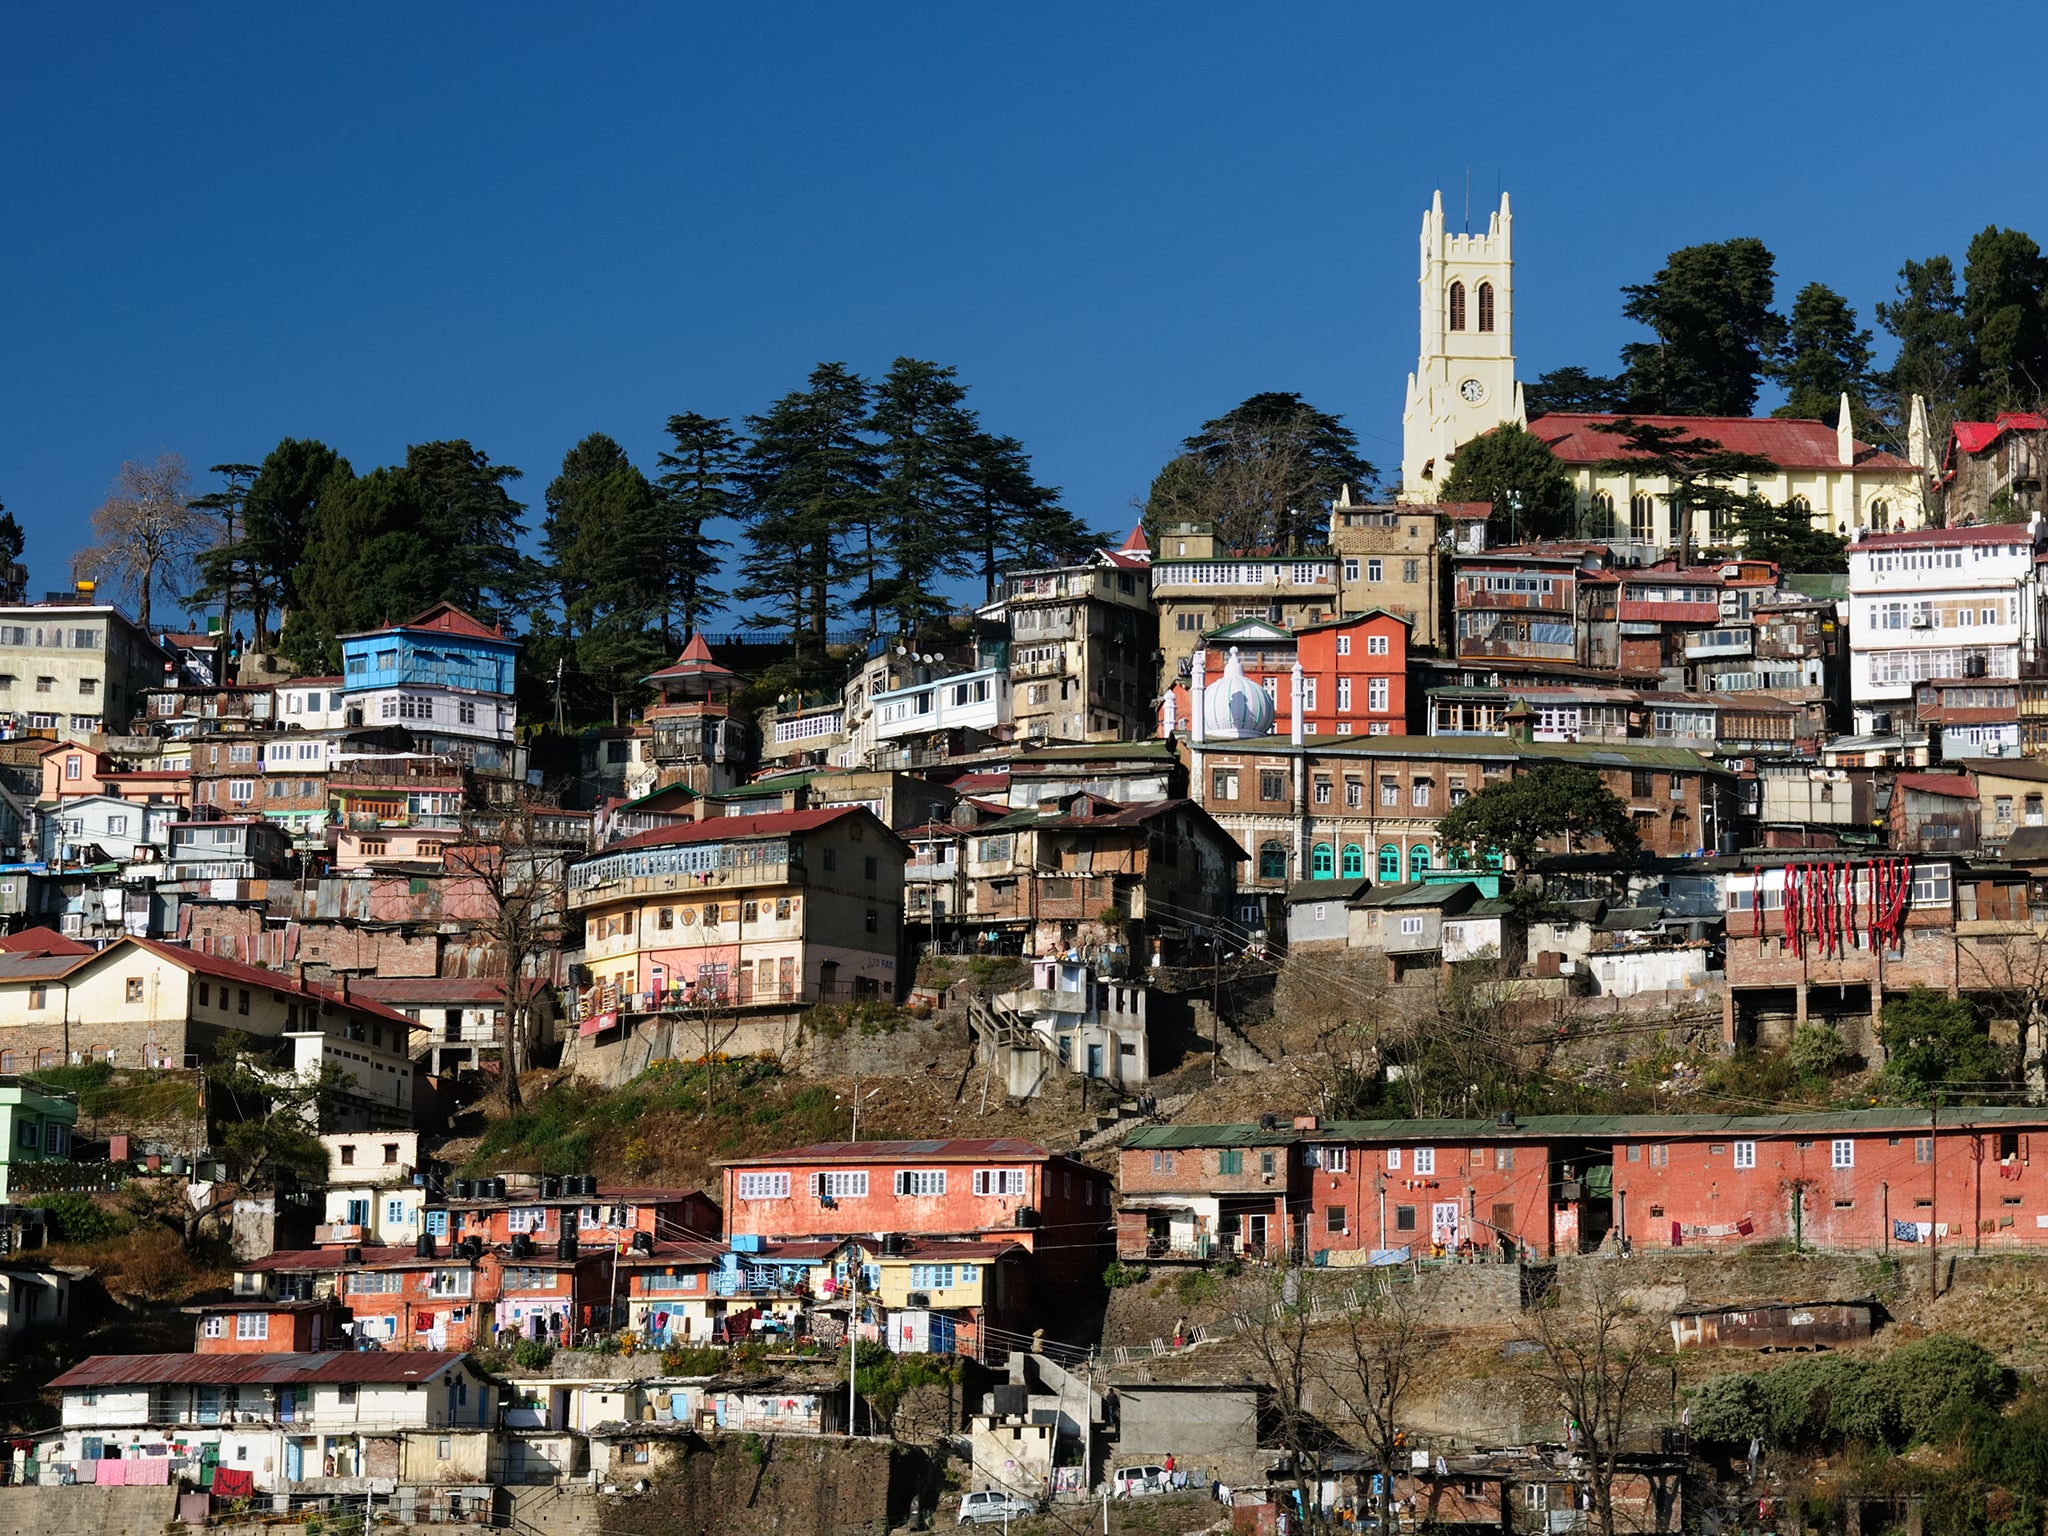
(224, 225)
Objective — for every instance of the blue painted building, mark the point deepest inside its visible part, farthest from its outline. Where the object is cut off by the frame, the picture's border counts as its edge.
(445, 676)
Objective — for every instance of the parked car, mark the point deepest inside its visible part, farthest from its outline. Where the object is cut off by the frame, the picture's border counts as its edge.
(992, 1506)
(1134, 1482)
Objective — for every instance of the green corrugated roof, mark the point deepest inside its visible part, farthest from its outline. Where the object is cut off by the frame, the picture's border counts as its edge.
(1175, 1136)
(1108, 751)
(1452, 748)
(1816, 583)
(781, 784)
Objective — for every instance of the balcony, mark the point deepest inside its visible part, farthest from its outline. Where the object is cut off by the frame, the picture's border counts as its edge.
(338, 1232)
(688, 882)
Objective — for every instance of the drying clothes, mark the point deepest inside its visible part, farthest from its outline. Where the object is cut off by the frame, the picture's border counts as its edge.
(233, 1483)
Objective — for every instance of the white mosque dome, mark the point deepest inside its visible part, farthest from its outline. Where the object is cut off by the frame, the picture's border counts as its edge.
(1234, 708)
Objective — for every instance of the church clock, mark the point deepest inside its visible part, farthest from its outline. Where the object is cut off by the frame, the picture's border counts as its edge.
(1473, 391)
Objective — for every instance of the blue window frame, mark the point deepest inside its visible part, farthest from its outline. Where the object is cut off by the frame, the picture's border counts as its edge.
(1322, 862)
(1390, 862)
(1418, 862)
(1353, 864)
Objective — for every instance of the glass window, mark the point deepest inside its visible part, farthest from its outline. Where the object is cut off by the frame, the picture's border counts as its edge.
(1843, 1153)
(1390, 862)
(1353, 865)
(1322, 862)
(1745, 1154)
(1418, 862)
(1272, 861)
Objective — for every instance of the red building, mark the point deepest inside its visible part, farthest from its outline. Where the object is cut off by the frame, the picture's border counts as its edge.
(1354, 672)
(1860, 1181)
(1055, 1206)
(544, 1208)
(260, 1325)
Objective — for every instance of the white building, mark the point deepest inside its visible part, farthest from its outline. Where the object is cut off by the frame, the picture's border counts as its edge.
(69, 833)
(1936, 604)
(304, 1423)
(374, 1189)
(972, 701)
(310, 704)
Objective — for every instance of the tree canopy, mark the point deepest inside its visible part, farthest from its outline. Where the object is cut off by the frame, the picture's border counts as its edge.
(1697, 469)
(1826, 356)
(1262, 475)
(1514, 471)
(1513, 817)
(1936, 1044)
(1715, 334)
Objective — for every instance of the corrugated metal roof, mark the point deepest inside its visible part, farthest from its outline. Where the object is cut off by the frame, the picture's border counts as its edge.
(1175, 1136)
(950, 1149)
(372, 1367)
(1325, 890)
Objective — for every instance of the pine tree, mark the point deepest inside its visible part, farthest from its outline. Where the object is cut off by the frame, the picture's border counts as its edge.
(1826, 356)
(922, 496)
(599, 511)
(281, 519)
(477, 524)
(807, 484)
(696, 492)
(222, 571)
(1263, 474)
(2005, 304)
(1697, 469)
(1011, 519)
(1716, 333)
(371, 561)
(1514, 471)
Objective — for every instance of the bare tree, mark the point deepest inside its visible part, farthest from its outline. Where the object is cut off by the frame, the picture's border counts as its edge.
(145, 534)
(1285, 1357)
(521, 878)
(2007, 972)
(1598, 1352)
(1376, 1356)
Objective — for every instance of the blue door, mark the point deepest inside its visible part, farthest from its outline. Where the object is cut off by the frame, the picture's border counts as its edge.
(1095, 1061)
(294, 1460)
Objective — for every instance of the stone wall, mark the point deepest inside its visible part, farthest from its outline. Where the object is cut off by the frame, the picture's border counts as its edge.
(794, 1485)
(86, 1511)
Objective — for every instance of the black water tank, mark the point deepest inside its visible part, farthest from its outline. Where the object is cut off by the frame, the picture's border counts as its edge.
(351, 1255)
(522, 1245)
(472, 1247)
(565, 1246)
(424, 1248)
(643, 1242)
(1026, 1216)
(550, 1187)
(462, 1189)
(590, 1183)
(892, 1245)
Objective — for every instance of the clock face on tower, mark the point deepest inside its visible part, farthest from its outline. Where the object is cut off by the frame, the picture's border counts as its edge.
(1473, 391)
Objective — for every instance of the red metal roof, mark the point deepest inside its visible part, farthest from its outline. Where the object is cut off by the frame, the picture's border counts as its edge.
(1955, 786)
(1934, 538)
(944, 1149)
(443, 619)
(394, 1367)
(1976, 436)
(253, 976)
(1641, 611)
(42, 941)
(394, 990)
(718, 829)
(1785, 441)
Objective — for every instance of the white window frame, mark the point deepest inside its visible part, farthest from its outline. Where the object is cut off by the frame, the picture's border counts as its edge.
(1842, 1152)
(920, 1183)
(252, 1325)
(1336, 1159)
(840, 1184)
(1425, 1160)
(762, 1186)
(1745, 1154)
(1000, 1183)
(215, 1327)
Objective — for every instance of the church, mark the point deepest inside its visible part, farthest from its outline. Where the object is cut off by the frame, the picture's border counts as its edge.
(1464, 385)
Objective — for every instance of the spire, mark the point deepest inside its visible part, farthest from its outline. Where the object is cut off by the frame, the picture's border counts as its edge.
(1845, 435)
(1919, 439)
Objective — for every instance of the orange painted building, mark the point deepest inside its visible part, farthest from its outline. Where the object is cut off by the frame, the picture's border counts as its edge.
(1354, 673)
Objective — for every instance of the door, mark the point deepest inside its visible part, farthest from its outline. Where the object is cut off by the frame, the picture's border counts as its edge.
(1503, 1223)
(1443, 1223)
(1095, 1061)
(294, 1461)
(1255, 1234)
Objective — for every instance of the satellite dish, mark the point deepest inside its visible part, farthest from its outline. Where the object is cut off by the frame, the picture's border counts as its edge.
(902, 650)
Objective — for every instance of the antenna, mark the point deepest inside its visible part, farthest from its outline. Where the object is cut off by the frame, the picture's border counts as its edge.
(1468, 199)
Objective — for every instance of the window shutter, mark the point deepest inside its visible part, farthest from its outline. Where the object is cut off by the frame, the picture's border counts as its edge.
(817, 1185)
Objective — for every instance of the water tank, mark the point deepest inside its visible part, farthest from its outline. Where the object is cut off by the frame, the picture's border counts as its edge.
(462, 1189)
(424, 1248)
(522, 1245)
(1027, 1216)
(643, 1242)
(588, 1183)
(351, 1255)
(565, 1246)
(892, 1245)
(497, 1189)
(550, 1187)
(472, 1247)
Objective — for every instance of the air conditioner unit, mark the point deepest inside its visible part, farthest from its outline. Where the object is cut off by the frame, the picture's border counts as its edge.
(1920, 621)
(1730, 573)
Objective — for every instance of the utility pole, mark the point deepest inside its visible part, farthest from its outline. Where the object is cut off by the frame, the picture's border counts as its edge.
(1934, 1190)
(852, 1334)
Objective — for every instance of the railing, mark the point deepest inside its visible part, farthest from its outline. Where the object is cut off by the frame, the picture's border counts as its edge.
(704, 998)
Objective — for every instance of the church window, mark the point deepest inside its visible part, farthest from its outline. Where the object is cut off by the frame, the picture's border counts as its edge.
(1457, 306)
(1486, 306)
(1354, 862)
(1600, 522)
(1642, 517)
(1880, 515)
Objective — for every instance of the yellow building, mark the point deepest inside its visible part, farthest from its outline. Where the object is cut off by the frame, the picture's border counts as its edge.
(1464, 386)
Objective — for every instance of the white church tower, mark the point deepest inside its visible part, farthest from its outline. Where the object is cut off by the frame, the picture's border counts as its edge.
(1464, 380)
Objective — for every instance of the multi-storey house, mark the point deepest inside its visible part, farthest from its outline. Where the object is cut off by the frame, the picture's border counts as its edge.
(1054, 1205)
(1197, 586)
(1354, 673)
(1197, 1193)
(445, 677)
(71, 663)
(1993, 467)
(698, 738)
(1081, 646)
(1550, 605)
(1151, 877)
(773, 911)
(1395, 559)
(1939, 604)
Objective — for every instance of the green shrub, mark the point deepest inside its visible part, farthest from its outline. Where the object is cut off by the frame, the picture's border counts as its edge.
(1818, 1050)
(1932, 1389)
(1119, 1275)
(79, 1218)
(532, 1354)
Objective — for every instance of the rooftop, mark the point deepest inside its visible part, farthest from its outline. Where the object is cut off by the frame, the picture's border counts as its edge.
(952, 1149)
(396, 1368)
(1787, 442)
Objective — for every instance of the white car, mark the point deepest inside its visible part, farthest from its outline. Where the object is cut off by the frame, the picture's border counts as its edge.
(1136, 1482)
(992, 1506)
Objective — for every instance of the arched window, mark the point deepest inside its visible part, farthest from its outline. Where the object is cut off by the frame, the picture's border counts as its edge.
(1486, 306)
(1272, 861)
(1354, 862)
(1642, 518)
(1457, 306)
(1881, 515)
(1493, 860)
(1418, 862)
(1600, 518)
(1390, 863)
(1322, 862)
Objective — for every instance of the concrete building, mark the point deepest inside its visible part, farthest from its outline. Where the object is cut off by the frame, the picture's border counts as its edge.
(36, 1123)
(1198, 586)
(1081, 644)
(1955, 604)
(696, 737)
(1394, 559)
(72, 664)
(444, 676)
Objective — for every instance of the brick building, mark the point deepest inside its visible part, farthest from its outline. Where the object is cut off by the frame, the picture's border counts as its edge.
(1858, 1181)
(1057, 1207)
(264, 1325)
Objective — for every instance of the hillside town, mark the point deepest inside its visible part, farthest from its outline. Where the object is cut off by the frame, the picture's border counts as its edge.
(1190, 1021)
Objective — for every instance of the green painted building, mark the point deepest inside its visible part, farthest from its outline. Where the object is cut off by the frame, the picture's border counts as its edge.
(36, 1126)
